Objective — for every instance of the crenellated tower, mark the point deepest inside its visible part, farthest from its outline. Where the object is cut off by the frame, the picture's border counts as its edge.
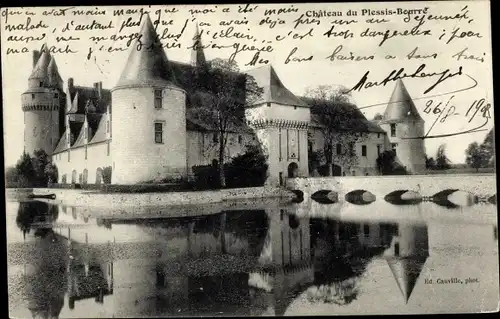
(43, 104)
(405, 127)
(149, 115)
(280, 121)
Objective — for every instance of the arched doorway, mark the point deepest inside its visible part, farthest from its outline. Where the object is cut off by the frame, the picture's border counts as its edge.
(293, 170)
(98, 176)
(336, 170)
(73, 177)
(85, 176)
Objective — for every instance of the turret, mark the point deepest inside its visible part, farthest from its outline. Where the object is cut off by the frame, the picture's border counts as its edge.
(43, 104)
(197, 54)
(407, 256)
(405, 129)
(149, 115)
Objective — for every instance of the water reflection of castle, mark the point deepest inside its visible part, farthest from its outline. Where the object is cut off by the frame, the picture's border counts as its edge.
(253, 262)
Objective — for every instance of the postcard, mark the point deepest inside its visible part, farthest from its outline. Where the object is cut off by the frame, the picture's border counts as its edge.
(250, 159)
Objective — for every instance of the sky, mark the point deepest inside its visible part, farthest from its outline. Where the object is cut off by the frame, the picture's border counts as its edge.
(296, 76)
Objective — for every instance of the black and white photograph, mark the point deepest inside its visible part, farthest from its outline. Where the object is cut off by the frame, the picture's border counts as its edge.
(285, 159)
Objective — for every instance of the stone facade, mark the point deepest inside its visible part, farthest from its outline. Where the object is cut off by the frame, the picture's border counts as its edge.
(145, 128)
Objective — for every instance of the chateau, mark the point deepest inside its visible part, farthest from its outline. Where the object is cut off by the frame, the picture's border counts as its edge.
(145, 129)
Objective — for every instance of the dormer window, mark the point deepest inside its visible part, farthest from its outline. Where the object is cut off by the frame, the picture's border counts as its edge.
(158, 99)
(32, 96)
(393, 129)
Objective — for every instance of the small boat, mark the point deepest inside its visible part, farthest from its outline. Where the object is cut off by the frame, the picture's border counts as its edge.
(48, 196)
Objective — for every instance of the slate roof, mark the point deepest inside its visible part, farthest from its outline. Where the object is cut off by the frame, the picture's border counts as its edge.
(274, 90)
(40, 69)
(149, 65)
(61, 145)
(99, 134)
(195, 122)
(80, 140)
(88, 99)
(400, 106)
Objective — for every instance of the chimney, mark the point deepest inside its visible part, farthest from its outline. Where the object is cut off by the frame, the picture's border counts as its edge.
(36, 56)
(98, 88)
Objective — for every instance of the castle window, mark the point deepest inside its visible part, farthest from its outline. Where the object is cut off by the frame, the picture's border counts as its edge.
(56, 95)
(158, 99)
(159, 133)
(108, 151)
(240, 139)
(378, 135)
(32, 96)
(379, 148)
(85, 151)
(363, 150)
(394, 146)
(366, 230)
(268, 104)
(339, 149)
(393, 129)
(41, 83)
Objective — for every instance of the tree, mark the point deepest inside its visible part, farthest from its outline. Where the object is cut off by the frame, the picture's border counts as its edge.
(442, 161)
(51, 172)
(341, 123)
(40, 160)
(248, 169)
(488, 147)
(25, 169)
(106, 175)
(476, 156)
(387, 165)
(222, 95)
(430, 163)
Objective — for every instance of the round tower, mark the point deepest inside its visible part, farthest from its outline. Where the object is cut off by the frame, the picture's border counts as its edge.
(42, 104)
(405, 127)
(149, 116)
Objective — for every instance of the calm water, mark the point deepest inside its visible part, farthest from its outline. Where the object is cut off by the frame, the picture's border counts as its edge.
(298, 259)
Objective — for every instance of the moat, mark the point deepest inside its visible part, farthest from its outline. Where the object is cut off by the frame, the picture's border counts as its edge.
(281, 260)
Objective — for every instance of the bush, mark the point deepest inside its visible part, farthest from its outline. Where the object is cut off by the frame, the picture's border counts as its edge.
(106, 175)
(246, 170)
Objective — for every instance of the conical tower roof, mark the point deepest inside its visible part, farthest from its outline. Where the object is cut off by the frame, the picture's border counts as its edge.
(53, 73)
(401, 106)
(40, 69)
(406, 272)
(147, 63)
(197, 53)
(274, 90)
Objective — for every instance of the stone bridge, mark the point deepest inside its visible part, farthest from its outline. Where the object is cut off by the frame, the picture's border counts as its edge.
(482, 185)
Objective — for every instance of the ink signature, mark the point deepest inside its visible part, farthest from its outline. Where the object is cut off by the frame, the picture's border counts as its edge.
(401, 74)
